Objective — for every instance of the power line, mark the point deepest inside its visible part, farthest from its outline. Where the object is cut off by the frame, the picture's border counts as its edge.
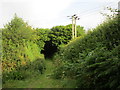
(85, 13)
(111, 4)
(88, 14)
(89, 11)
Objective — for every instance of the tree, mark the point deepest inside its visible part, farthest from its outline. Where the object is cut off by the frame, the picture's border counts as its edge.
(63, 34)
(43, 37)
(60, 35)
(18, 39)
(80, 31)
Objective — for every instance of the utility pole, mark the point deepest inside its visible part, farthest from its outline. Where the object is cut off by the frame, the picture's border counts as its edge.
(119, 8)
(73, 25)
(75, 28)
(74, 31)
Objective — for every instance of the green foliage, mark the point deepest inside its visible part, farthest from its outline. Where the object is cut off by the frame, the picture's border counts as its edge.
(100, 69)
(63, 34)
(21, 73)
(94, 59)
(43, 37)
(23, 44)
(19, 49)
(80, 31)
(32, 51)
(59, 36)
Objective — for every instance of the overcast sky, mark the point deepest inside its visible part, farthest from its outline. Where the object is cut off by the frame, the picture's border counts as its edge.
(49, 13)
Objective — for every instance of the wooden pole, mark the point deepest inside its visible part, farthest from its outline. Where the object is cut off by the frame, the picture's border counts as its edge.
(73, 28)
(74, 31)
(119, 8)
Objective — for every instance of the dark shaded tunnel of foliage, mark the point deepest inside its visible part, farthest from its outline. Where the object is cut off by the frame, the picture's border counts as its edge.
(58, 35)
(49, 49)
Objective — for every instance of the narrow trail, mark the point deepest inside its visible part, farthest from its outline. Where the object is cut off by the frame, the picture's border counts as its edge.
(43, 81)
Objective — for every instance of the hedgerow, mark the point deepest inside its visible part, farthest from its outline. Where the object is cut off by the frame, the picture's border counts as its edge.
(93, 60)
(20, 48)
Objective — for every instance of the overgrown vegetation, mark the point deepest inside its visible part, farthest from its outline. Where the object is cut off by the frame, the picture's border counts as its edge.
(23, 47)
(93, 60)
(20, 50)
(59, 36)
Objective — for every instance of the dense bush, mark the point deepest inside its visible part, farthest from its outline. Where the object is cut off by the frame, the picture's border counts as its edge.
(63, 34)
(43, 37)
(94, 59)
(101, 69)
(20, 48)
(60, 35)
(31, 70)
